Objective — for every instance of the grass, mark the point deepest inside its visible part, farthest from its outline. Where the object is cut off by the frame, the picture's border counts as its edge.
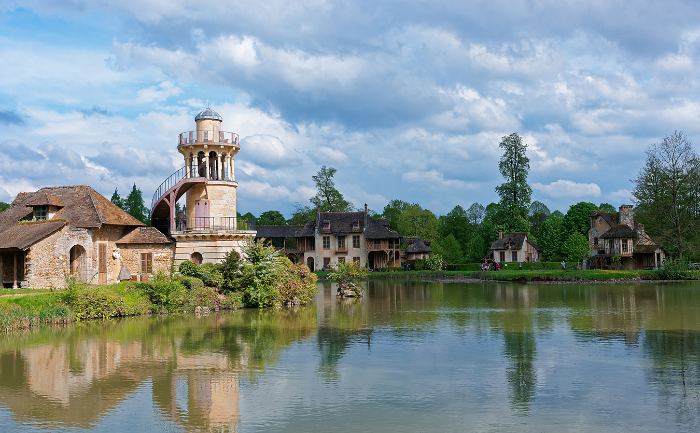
(21, 291)
(573, 275)
(400, 275)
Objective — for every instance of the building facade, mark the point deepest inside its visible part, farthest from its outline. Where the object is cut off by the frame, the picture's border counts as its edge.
(513, 247)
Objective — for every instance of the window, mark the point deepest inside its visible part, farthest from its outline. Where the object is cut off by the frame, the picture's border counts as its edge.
(624, 245)
(312, 244)
(41, 212)
(341, 242)
(356, 259)
(515, 256)
(595, 241)
(356, 224)
(377, 242)
(327, 225)
(326, 262)
(356, 241)
(341, 259)
(147, 263)
(502, 255)
(326, 242)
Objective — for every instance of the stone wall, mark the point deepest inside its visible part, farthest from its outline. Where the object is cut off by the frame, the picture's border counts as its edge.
(213, 246)
(163, 255)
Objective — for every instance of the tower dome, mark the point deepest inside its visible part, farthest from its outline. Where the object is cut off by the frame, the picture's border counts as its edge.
(208, 113)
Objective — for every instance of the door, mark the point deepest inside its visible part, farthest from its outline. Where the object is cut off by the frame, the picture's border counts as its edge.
(102, 263)
(201, 213)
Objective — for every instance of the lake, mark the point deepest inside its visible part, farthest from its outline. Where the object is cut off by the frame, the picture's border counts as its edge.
(410, 356)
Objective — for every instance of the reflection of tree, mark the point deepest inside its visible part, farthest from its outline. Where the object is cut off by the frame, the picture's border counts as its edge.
(333, 342)
(520, 349)
(675, 373)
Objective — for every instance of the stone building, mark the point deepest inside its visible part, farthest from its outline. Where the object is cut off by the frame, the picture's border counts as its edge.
(208, 228)
(513, 247)
(621, 235)
(57, 232)
(339, 237)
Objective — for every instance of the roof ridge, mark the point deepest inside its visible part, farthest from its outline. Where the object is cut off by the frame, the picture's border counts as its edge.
(94, 205)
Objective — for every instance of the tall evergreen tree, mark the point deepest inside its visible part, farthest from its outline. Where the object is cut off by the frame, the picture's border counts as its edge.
(133, 205)
(514, 166)
(117, 200)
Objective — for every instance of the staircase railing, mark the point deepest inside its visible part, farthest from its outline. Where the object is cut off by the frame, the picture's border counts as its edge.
(168, 183)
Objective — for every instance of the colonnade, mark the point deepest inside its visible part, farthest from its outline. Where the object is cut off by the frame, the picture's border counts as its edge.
(212, 171)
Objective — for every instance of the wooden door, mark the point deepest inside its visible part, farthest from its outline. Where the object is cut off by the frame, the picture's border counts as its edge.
(102, 263)
(201, 213)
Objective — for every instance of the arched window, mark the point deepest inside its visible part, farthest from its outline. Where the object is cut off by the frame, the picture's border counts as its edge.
(196, 258)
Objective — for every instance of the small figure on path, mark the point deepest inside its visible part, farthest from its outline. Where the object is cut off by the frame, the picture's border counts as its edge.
(563, 265)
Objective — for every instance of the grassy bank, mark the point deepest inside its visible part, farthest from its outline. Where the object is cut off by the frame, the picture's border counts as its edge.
(574, 275)
(402, 275)
(85, 302)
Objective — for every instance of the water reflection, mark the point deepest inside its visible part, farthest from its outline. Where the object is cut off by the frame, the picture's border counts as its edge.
(554, 355)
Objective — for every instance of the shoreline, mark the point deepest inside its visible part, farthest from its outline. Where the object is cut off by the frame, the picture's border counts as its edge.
(556, 282)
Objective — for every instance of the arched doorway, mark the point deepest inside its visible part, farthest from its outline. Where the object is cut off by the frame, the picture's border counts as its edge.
(78, 266)
(196, 258)
(310, 263)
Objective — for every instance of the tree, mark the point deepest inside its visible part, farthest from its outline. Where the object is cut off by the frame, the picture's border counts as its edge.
(550, 237)
(133, 205)
(514, 167)
(302, 215)
(667, 191)
(327, 197)
(393, 210)
(3, 206)
(539, 212)
(271, 218)
(456, 223)
(607, 207)
(416, 221)
(576, 247)
(450, 250)
(477, 248)
(578, 218)
(557, 214)
(117, 200)
(475, 213)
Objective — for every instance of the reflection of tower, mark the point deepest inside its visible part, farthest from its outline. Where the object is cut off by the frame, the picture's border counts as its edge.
(208, 228)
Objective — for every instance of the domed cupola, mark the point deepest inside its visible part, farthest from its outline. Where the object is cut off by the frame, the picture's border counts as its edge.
(208, 113)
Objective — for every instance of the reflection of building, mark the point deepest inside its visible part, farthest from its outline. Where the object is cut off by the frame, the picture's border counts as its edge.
(55, 232)
(620, 235)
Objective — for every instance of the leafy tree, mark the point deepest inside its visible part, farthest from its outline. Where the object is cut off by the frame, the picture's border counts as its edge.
(491, 212)
(271, 218)
(117, 200)
(578, 218)
(416, 221)
(393, 210)
(607, 207)
(327, 197)
(450, 250)
(3, 206)
(576, 247)
(557, 214)
(514, 167)
(550, 237)
(434, 262)
(456, 223)
(475, 213)
(539, 212)
(133, 205)
(477, 248)
(667, 190)
(302, 215)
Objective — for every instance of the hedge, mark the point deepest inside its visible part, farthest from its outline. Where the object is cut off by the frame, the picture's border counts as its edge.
(535, 266)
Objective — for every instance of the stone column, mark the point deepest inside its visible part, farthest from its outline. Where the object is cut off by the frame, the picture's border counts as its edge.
(206, 164)
(188, 167)
(220, 165)
(233, 178)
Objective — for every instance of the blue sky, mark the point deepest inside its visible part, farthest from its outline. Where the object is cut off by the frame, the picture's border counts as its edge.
(408, 100)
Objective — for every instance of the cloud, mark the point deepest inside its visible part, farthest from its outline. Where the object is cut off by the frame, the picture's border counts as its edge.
(268, 150)
(433, 179)
(567, 188)
(133, 162)
(622, 196)
(160, 93)
(10, 117)
(5, 196)
(95, 111)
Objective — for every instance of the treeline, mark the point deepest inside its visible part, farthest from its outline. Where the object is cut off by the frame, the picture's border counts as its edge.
(133, 204)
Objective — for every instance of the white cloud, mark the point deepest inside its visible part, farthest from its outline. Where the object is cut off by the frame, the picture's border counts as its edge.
(621, 196)
(160, 93)
(567, 188)
(433, 179)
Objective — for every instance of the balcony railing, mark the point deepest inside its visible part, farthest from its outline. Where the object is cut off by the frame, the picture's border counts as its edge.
(206, 223)
(193, 172)
(342, 249)
(208, 136)
(382, 246)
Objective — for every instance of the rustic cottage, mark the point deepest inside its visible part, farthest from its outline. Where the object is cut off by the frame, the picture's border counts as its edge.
(57, 232)
(513, 247)
(621, 235)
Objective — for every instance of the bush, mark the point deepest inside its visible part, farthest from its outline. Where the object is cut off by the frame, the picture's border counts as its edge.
(674, 270)
(207, 272)
(350, 272)
(434, 262)
(297, 284)
(98, 303)
(192, 283)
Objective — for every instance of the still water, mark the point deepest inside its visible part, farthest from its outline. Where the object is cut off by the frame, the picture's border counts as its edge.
(411, 356)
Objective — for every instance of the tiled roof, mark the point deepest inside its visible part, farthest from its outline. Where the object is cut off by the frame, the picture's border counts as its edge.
(82, 207)
(42, 198)
(610, 218)
(513, 241)
(268, 232)
(22, 236)
(144, 235)
(341, 223)
(619, 231)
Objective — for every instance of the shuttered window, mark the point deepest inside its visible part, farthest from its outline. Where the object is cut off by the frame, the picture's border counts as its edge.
(147, 263)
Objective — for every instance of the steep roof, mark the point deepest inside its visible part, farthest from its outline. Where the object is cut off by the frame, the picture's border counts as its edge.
(418, 246)
(22, 236)
(268, 232)
(144, 235)
(619, 231)
(343, 223)
(513, 241)
(83, 207)
(610, 218)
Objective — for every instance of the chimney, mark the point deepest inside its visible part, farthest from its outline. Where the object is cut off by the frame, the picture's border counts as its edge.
(365, 207)
(640, 233)
(500, 234)
(626, 216)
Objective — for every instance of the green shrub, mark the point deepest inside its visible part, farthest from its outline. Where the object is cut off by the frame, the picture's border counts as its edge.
(674, 270)
(298, 283)
(207, 272)
(192, 283)
(100, 303)
(434, 262)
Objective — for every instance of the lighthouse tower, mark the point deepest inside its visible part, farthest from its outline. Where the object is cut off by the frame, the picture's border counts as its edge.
(208, 228)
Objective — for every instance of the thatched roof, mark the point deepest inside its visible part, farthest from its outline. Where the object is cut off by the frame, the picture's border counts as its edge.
(513, 241)
(418, 246)
(619, 231)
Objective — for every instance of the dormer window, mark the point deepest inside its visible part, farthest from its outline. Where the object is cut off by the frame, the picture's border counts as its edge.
(41, 213)
(356, 224)
(326, 225)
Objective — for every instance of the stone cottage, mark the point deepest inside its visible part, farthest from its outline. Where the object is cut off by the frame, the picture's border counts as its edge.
(513, 247)
(57, 232)
(620, 234)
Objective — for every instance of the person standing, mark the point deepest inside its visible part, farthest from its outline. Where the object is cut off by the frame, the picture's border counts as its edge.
(563, 265)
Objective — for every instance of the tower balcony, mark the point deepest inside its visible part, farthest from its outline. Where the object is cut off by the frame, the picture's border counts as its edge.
(205, 224)
(208, 136)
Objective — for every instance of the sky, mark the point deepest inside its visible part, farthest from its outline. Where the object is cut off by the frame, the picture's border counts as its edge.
(406, 99)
